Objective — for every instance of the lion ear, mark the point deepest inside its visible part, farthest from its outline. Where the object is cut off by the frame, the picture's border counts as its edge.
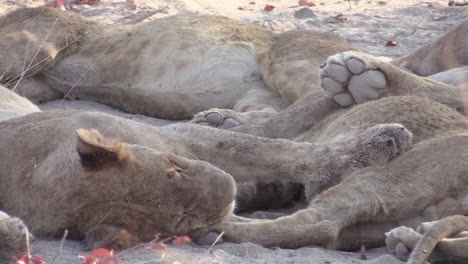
(97, 152)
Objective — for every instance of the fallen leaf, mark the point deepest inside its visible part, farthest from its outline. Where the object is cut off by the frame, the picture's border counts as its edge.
(390, 43)
(101, 254)
(61, 4)
(25, 260)
(181, 240)
(132, 4)
(160, 246)
(90, 2)
(268, 8)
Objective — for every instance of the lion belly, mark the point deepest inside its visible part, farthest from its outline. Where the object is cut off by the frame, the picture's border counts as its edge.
(158, 85)
(162, 70)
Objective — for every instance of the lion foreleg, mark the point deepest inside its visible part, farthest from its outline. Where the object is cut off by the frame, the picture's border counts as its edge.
(287, 232)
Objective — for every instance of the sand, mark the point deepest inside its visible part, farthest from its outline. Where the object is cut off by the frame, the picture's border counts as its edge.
(371, 25)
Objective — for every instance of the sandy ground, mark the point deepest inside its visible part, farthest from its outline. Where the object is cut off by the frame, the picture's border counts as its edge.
(368, 24)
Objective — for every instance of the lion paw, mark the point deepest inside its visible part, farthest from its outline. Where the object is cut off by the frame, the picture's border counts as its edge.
(401, 240)
(219, 118)
(382, 143)
(400, 137)
(12, 237)
(352, 77)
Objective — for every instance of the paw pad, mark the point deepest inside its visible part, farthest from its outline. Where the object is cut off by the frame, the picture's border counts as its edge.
(350, 78)
(214, 118)
(219, 118)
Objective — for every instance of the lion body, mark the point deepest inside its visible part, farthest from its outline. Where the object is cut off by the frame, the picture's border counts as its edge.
(170, 68)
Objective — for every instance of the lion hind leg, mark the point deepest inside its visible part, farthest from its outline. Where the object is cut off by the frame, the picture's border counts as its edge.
(290, 65)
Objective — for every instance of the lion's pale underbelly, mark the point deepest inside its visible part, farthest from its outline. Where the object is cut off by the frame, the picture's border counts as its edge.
(174, 88)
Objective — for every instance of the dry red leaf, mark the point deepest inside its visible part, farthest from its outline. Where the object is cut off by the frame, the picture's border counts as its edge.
(306, 3)
(101, 254)
(25, 260)
(90, 2)
(390, 43)
(181, 240)
(61, 4)
(160, 246)
(268, 8)
(133, 6)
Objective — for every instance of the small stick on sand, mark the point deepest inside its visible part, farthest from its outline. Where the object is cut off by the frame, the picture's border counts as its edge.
(59, 252)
